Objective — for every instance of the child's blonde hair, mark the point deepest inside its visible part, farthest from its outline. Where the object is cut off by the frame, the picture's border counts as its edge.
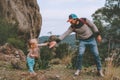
(32, 43)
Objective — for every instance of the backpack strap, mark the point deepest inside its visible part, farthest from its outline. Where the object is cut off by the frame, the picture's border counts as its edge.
(84, 21)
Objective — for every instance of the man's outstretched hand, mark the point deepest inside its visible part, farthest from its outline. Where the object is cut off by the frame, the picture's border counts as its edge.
(99, 38)
(52, 44)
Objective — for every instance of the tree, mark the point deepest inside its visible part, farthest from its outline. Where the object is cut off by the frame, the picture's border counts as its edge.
(108, 19)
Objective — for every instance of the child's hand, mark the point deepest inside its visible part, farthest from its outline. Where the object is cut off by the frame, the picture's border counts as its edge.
(32, 55)
(52, 44)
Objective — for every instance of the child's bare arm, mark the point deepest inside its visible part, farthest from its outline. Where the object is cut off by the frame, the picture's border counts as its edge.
(43, 44)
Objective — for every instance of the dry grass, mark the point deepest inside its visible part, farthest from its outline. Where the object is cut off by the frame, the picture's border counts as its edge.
(111, 71)
(67, 59)
(60, 72)
(56, 72)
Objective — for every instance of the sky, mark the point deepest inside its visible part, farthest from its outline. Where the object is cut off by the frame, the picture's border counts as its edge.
(55, 13)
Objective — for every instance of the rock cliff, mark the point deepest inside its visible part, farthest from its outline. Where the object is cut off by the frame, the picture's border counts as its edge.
(25, 13)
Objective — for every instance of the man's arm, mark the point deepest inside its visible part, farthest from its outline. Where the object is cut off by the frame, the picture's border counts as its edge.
(52, 44)
(95, 30)
(70, 30)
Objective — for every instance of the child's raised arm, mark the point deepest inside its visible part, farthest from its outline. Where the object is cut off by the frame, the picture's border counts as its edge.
(43, 44)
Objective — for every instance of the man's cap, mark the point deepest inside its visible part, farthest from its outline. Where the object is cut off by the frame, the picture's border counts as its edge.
(72, 16)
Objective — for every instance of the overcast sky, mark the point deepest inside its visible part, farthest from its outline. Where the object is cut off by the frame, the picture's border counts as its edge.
(55, 13)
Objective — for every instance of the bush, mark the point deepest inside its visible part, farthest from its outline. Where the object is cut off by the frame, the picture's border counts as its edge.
(45, 57)
(62, 50)
(7, 30)
(16, 43)
(9, 34)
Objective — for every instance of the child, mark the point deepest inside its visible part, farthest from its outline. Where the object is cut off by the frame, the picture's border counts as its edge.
(34, 52)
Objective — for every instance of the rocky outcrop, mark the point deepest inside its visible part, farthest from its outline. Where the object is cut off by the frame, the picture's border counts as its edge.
(25, 13)
(14, 57)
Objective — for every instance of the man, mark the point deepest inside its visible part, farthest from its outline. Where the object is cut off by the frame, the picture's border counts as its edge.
(86, 32)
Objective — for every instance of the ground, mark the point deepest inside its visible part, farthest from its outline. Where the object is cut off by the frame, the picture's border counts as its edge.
(56, 72)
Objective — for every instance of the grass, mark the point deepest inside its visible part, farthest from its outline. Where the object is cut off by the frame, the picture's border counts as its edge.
(61, 72)
(112, 72)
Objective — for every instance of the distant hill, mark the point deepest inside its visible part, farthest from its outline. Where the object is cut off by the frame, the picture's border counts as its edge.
(69, 39)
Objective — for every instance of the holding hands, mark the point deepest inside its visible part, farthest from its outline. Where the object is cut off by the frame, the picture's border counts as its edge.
(52, 44)
(52, 41)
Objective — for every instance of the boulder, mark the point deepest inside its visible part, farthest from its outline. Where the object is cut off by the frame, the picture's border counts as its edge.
(13, 56)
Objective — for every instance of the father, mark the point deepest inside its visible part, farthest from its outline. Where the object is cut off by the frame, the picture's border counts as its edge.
(87, 33)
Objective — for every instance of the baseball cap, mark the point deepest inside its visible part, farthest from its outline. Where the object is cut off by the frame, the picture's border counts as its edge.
(72, 16)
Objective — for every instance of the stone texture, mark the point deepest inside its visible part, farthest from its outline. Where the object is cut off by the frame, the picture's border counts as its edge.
(25, 13)
(12, 56)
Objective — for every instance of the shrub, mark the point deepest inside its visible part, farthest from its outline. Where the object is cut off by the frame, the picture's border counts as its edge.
(45, 57)
(9, 33)
(16, 43)
(62, 50)
(7, 30)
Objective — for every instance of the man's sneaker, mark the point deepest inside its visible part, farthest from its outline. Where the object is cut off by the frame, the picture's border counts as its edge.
(100, 73)
(77, 73)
